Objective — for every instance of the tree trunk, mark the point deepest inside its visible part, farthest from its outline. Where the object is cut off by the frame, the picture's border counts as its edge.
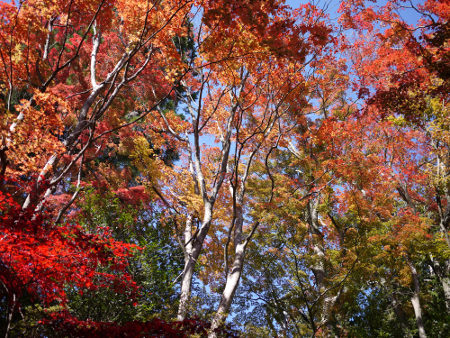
(318, 267)
(444, 277)
(186, 284)
(230, 289)
(193, 246)
(415, 300)
(443, 273)
(398, 311)
(188, 271)
(233, 276)
(10, 313)
(446, 287)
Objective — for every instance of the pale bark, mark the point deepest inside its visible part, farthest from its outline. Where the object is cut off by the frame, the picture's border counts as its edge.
(42, 173)
(445, 281)
(193, 246)
(230, 289)
(10, 313)
(234, 275)
(186, 284)
(112, 86)
(415, 300)
(444, 220)
(444, 224)
(188, 270)
(240, 244)
(318, 266)
(443, 274)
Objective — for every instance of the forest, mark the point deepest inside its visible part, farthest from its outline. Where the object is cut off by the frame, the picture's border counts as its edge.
(224, 168)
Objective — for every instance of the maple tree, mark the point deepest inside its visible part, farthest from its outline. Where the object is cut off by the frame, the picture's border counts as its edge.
(245, 147)
(243, 110)
(65, 100)
(408, 73)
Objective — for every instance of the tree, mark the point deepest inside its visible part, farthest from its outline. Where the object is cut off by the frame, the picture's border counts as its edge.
(405, 67)
(240, 96)
(40, 259)
(68, 82)
(271, 144)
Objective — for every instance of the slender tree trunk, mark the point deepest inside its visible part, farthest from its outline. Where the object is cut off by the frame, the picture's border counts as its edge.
(230, 289)
(318, 266)
(446, 287)
(11, 310)
(444, 231)
(444, 277)
(234, 274)
(188, 271)
(398, 311)
(193, 246)
(186, 283)
(443, 273)
(415, 300)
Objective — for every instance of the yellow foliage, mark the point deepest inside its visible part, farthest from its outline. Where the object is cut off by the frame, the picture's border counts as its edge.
(144, 158)
(35, 136)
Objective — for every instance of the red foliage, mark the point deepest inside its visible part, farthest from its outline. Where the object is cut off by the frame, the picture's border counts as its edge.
(133, 195)
(69, 326)
(41, 259)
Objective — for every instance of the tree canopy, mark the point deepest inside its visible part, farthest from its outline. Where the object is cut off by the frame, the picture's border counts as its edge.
(224, 168)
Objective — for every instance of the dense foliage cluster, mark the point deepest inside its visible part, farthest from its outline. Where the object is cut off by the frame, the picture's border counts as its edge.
(179, 167)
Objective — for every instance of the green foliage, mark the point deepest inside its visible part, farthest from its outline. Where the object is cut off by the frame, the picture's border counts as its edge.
(154, 268)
